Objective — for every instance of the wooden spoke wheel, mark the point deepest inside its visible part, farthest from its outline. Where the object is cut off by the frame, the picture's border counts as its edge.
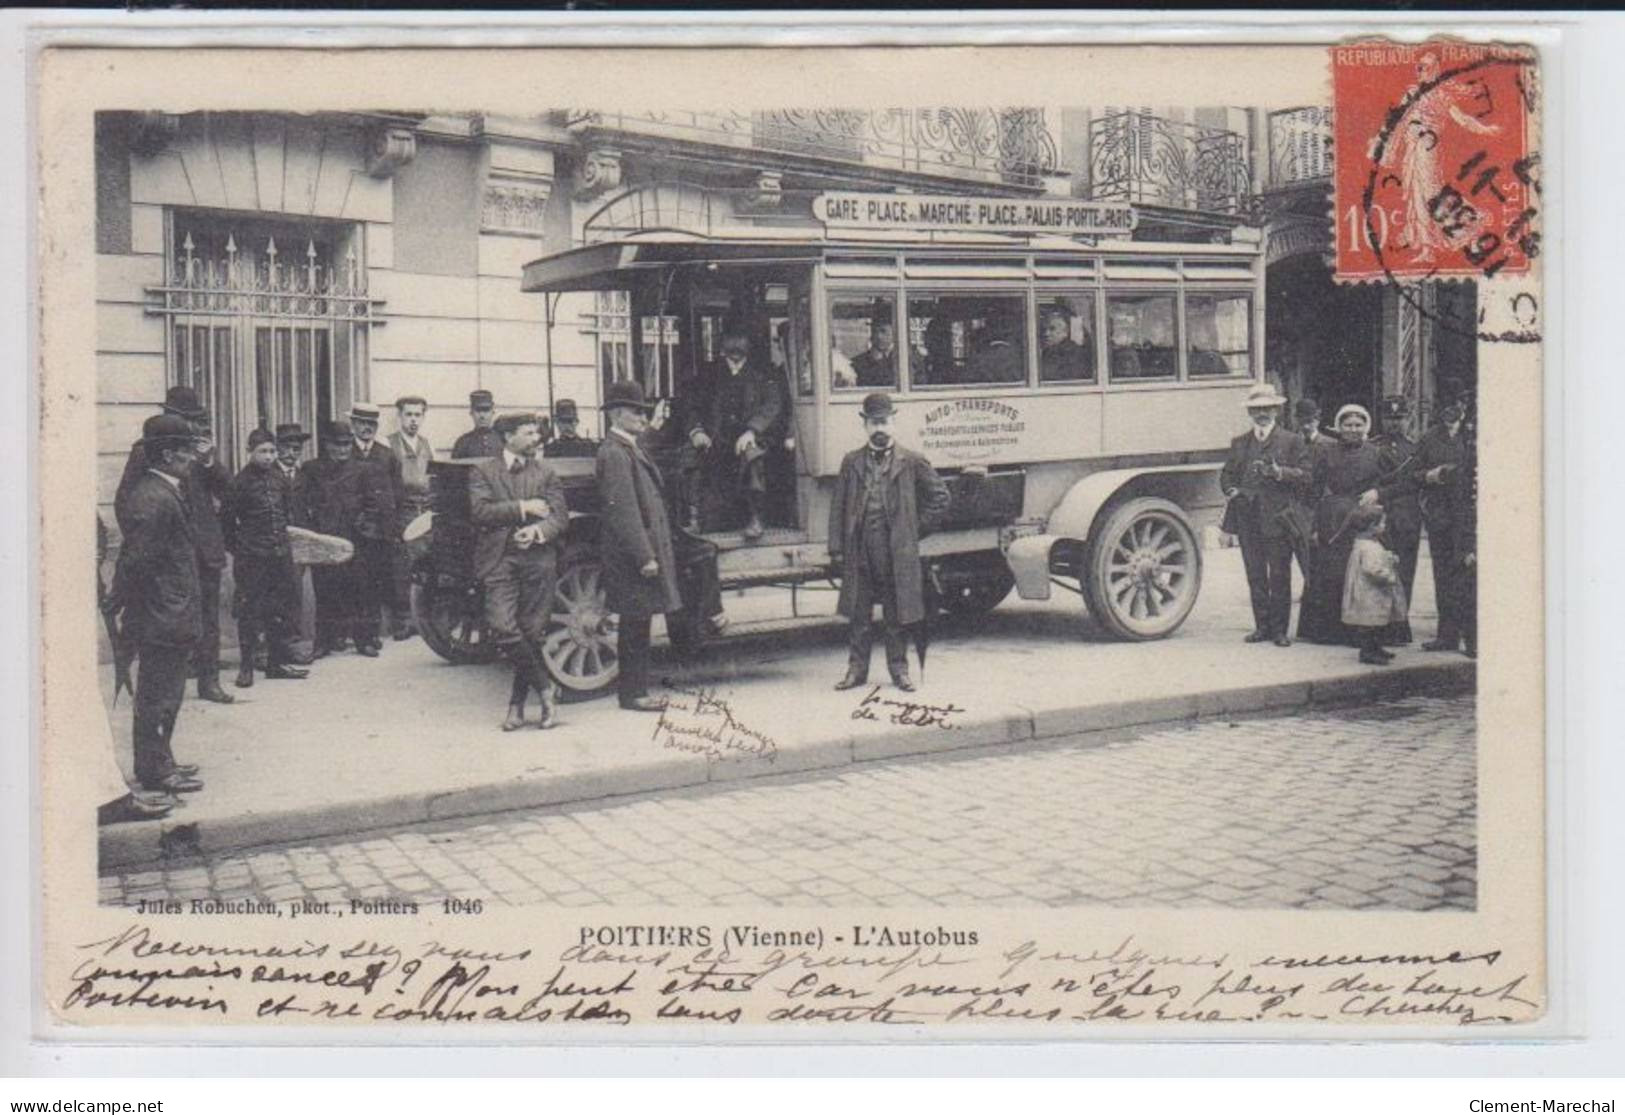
(1143, 570)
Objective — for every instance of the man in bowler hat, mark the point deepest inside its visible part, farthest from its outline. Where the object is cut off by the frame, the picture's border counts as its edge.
(731, 432)
(376, 530)
(567, 441)
(257, 516)
(202, 489)
(1265, 478)
(482, 440)
(161, 598)
(886, 498)
(518, 504)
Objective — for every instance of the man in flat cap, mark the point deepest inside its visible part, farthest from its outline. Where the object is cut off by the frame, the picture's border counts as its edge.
(886, 498)
(482, 440)
(202, 489)
(161, 598)
(331, 500)
(518, 503)
(731, 431)
(257, 519)
(376, 530)
(567, 440)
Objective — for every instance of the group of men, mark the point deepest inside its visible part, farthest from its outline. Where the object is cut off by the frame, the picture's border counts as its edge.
(1290, 495)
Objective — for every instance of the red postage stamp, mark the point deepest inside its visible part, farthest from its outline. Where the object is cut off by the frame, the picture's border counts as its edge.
(1435, 175)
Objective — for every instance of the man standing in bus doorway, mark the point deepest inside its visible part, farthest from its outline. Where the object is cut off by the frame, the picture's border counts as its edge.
(886, 498)
(482, 440)
(743, 407)
(1264, 478)
(518, 503)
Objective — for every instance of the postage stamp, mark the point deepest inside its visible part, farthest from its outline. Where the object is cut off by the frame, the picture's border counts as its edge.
(1436, 176)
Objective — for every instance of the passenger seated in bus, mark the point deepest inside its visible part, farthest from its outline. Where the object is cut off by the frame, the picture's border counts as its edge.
(998, 357)
(876, 366)
(1060, 358)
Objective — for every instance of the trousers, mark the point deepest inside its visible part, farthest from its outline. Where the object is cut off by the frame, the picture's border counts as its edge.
(1268, 562)
(374, 585)
(267, 604)
(632, 652)
(335, 587)
(206, 655)
(160, 686)
(874, 583)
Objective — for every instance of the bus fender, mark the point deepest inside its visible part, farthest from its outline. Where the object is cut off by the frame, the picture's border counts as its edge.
(1074, 517)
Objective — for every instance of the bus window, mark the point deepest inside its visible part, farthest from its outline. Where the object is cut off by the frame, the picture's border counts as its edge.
(967, 340)
(1141, 336)
(863, 341)
(1220, 329)
(1066, 339)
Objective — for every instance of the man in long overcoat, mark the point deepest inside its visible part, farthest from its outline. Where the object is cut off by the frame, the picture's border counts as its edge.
(518, 503)
(161, 598)
(376, 530)
(330, 500)
(743, 405)
(639, 558)
(1265, 478)
(1441, 470)
(203, 488)
(886, 498)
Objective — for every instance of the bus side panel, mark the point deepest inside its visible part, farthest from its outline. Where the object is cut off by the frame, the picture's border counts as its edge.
(992, 429)
(1178, 419)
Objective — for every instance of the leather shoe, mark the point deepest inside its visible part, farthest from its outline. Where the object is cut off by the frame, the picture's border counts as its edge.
(643, 704)
(1283, 640)
(178, 783)
(297, 658)
(851, 681)
(187, 770)
(717, 624)
(280, 672)
(903, 682)
(245, 678)
(515, 718)
(366, 650)
(1256, 637)
(209, 690)
(1438, 644)
(753, 529)
(144, 805)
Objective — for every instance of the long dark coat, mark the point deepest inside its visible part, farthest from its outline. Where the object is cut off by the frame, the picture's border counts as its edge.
(380, 489)
(202, 490)
(158, 568)
(1444, 502)
(633, 529)
(917, 499)
(331, 495)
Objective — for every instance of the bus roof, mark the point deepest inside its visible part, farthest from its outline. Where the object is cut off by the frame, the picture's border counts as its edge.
(611, 264)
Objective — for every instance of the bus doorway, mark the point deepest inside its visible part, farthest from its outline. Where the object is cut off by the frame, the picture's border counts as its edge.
(1324, 341)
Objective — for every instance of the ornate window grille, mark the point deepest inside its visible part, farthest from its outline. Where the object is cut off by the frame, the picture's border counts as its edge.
(268, 323)
(1138, 156)
(1300, 145)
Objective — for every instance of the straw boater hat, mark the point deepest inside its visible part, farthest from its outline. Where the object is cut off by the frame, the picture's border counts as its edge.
(1263, 395)
(364, 412)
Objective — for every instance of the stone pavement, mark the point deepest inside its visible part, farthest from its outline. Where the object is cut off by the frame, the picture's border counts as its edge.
(1347, 809)
(407, 738)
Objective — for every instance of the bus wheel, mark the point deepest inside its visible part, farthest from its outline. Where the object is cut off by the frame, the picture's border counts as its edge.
(1143, 570)
(451, 617)
(580, 643)
(973, 584)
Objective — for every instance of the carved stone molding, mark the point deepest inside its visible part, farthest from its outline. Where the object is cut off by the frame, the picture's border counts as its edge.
(151, 132)
(389, 148)
(514, 206)
(598, 172)
(769, 190)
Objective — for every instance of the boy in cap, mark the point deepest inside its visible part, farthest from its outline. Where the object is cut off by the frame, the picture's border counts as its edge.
(518, 503)
(257, 518)
(482, 440)
(161, 598)
(885, 498)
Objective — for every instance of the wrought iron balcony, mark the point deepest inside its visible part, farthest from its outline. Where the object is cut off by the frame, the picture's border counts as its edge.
(1004, 146)
(1300, 146)
(1146, 159)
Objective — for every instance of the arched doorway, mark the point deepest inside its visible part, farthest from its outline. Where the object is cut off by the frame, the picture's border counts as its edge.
(1322, 340)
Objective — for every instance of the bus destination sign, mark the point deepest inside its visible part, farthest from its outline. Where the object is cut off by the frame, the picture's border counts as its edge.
(954, 213)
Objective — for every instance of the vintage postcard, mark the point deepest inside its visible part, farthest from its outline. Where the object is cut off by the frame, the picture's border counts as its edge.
(1015, 542)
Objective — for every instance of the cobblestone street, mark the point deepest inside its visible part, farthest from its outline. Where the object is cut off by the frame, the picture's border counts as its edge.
(1370, 807)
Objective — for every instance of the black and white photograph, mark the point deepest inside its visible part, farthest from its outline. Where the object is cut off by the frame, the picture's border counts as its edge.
(814, 532)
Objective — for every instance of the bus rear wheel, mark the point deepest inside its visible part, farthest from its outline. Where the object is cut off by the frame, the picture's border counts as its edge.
(579, 646)
(1143, 569)
(451, 617)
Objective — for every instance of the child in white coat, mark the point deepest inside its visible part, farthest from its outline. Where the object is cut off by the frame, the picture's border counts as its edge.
(1373, 594)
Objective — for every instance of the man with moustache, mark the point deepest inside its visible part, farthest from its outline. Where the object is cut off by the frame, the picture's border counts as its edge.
(885, 499)
(731, 431)
(376, 530)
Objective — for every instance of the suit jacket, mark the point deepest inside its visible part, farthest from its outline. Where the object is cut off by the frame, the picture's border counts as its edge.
(257, 512)
(158, 567)
(204, 487)
(1260, 500)
(494, 494)
(379, 487)
(1445, 502)
(635, 529)
(736, 403)
(916, 500)
(477, 443)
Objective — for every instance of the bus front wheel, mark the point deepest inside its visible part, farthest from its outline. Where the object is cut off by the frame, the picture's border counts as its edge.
(1143, 569)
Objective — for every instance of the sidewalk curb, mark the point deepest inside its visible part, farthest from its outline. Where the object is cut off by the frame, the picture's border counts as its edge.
(127, 846)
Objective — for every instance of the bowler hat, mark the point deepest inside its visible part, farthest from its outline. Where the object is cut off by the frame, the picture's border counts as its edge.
(291, 431)
(164, 430)
(1306, 409)
(184, 402)
(564, 409)
(259, 436)
(364, 412)
(624, 393)
(878, 405)
(338, 431)
(1263, 395)
(479, 400)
